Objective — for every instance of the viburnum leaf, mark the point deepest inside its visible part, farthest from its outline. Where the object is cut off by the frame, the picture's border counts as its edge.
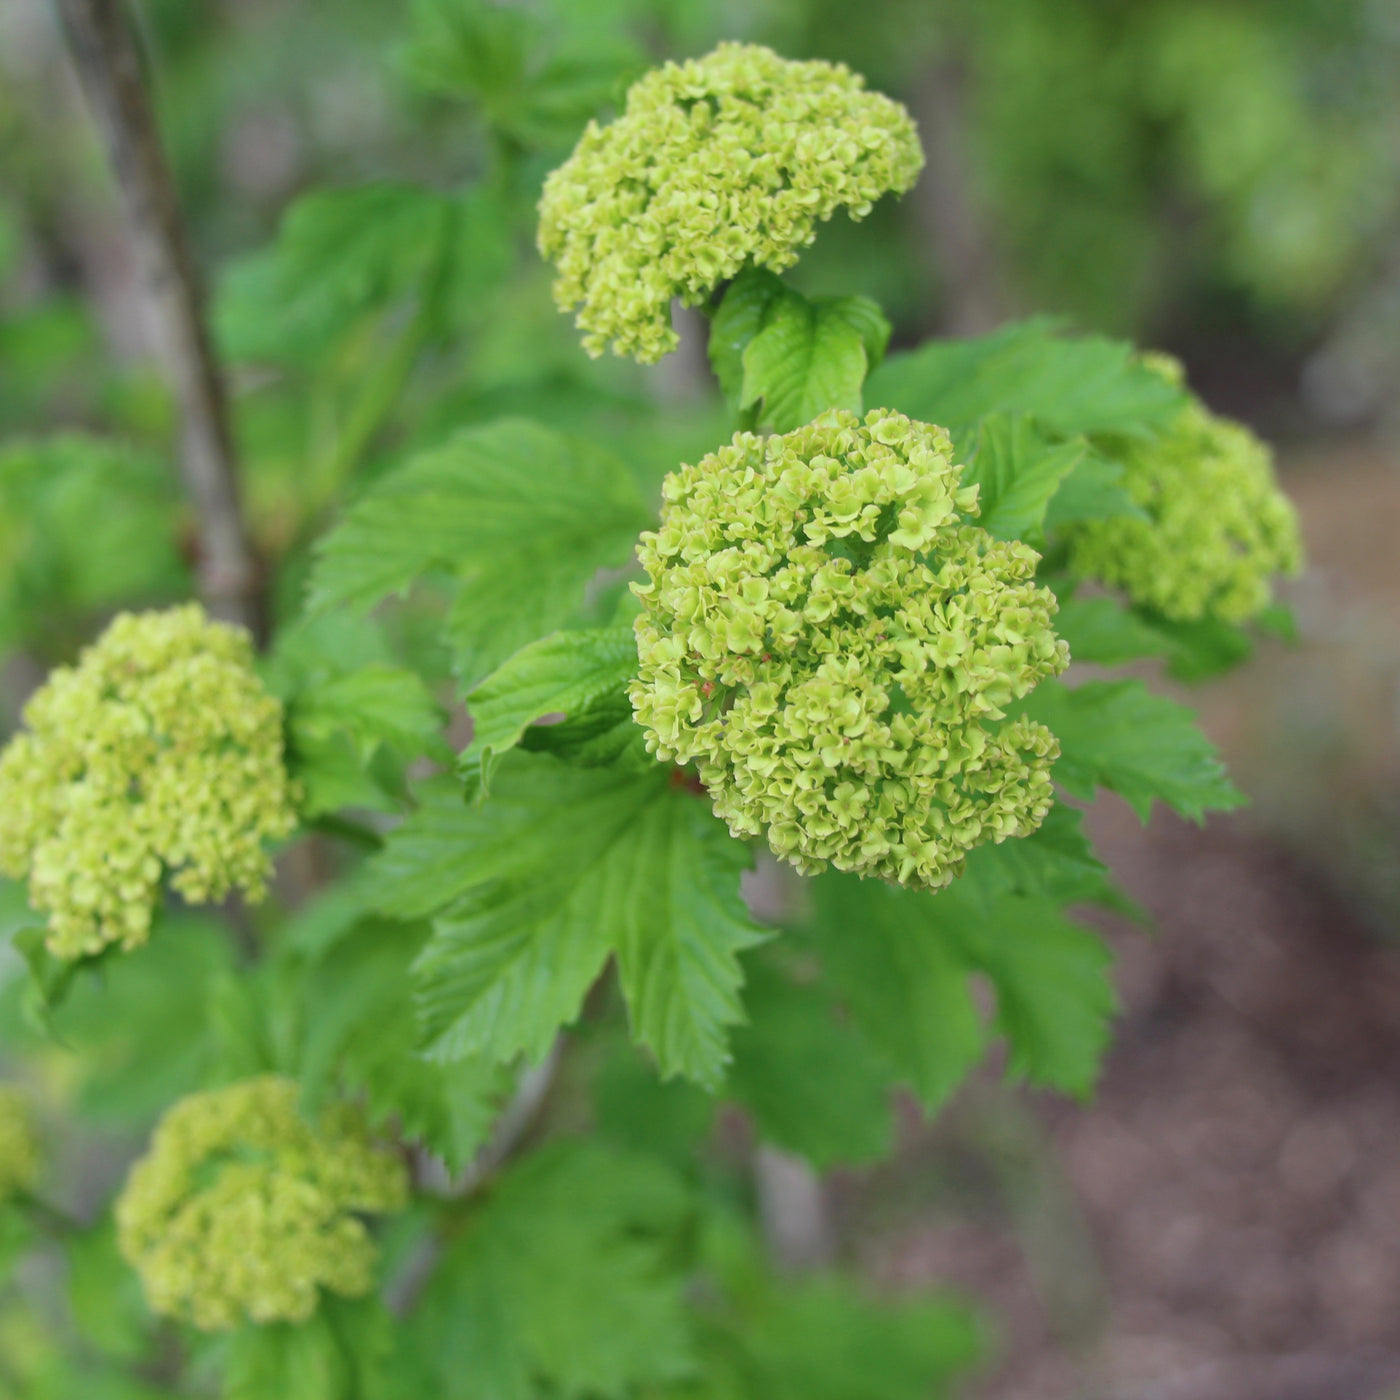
(339, 1353)
(808, 357)
(1071, 384)
(536, 888)
(360, 1036)
(906, 990)
(813, 1083)
(1054, 998)
(769, 344)
(1118, 735)
(1092, 490)
(1103, 631)
(567, 674)
(375, 705)
(520, 516)
(1018, 471)
(565, 1281)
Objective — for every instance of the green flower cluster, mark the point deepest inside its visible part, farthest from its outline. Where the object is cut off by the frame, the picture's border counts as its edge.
(1217, 529)
(242, 1209)
(160, 751)
(717, 162)
(835, 646)
(19, 1144)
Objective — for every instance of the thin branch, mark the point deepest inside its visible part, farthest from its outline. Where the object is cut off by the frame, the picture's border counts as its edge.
(105, 53)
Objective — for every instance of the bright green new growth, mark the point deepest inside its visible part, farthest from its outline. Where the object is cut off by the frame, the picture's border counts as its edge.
(19, 1144)
(1218, 530)
(242, 1210)
(159, 752)
(835, 646)
(716, 163)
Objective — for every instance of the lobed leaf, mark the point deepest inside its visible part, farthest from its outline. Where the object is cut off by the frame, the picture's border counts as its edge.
(521, 517)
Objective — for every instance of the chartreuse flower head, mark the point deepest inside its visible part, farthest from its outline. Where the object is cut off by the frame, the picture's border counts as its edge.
(19, 1144)
(160, 752)
(1217, 530)
(834, 644)
(243, 1210)
(718, 162)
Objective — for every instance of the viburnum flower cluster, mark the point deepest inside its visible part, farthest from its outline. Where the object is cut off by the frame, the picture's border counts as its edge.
(242, 1210)
(832, 641)
(716, 163)
(1218, 529)
(19, 1144)
(159, 753)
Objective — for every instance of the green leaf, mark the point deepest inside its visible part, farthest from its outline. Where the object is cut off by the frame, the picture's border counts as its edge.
(1093, 490)
(1198, 650)
(570, 674)
(491, 54)
(339, 1353)
(747, 305)
(375, 705)
(561, 867)
(823, 1340)
(907, 991)
(521, 517)
(1118, 735)
(1102, 631)
(1054, 862)
(361, 1037)
(1069, 384)
(86, 524)
(808, 357)
(1018, 471)
(564, 1278)
(1054, 997)
(814, 1086)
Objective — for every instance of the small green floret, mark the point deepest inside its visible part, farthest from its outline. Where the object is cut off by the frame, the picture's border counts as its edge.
(242, 1210)
(159, 753)
(835, 645)
(716, 163)
(19, 1144)
(1218, 528)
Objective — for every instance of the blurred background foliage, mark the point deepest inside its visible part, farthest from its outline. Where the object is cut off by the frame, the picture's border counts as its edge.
(1220, 178)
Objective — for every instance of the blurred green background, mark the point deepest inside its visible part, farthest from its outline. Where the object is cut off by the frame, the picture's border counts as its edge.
(1220, 178)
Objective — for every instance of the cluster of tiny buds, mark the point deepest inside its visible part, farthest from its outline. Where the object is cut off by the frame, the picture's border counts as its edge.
(835, 645)
(242, 1210)
(1216, 528)
(160, 752)
(716, 163)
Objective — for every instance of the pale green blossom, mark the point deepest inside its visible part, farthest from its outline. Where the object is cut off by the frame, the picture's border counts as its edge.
(1218, 528)
(242, 1210)
(716, 163)
(832, 641)
(158, 754)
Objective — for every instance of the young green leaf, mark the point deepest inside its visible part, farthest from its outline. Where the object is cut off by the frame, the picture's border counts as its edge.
(747, 305)
(562, 867)
(1103, 631)
(1118, 735)
(907, 991)
(1069, 384)
(1092, 490)
(565, 1281)
(807, 358)
(1054, 998)
(813, 1084)
(521, 516)
(375, 705)
(570, 674)
(1018, 471)
(360, 1036)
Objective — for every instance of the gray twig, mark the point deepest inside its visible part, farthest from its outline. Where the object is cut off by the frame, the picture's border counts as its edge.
(107, 58)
